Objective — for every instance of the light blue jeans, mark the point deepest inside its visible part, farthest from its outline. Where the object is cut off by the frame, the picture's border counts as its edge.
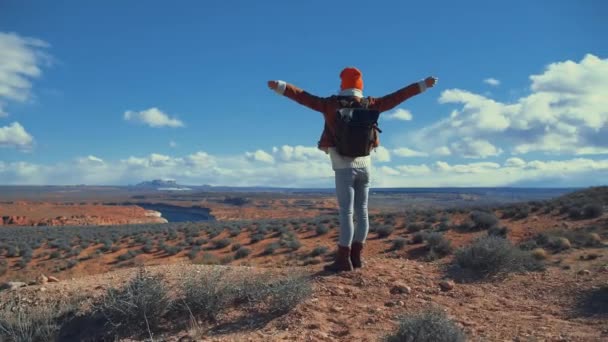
(352, 190)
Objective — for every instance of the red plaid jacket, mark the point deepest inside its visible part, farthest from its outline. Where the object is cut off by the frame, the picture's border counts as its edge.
(329, 105)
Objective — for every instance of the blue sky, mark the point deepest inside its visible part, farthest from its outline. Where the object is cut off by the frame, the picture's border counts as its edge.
(521, 98)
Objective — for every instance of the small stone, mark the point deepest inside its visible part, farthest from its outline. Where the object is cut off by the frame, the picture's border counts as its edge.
(12, 285)
(42, 289)
(389, 304)
(52, 279)
(42, 279)
(335, 309)
(313, 326)
(584, 272)
(446, 285)
(400, 288)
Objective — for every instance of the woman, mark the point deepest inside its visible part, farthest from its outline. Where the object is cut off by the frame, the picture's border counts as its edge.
(352, 175)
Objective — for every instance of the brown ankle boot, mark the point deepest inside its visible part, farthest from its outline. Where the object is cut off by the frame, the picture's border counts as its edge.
(355, 254)
(342, 262)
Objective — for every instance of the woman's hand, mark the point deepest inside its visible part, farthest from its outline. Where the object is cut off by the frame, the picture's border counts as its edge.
(430, 81)
(273, 85)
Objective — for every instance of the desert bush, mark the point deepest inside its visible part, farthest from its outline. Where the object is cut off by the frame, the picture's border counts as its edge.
(431, 325)
(483, 220)
(219, 244)
(322, 229)
(437, 245)
(206, 296)
(293, 244)
(138, 306)
(126, 256)
(3, 267)
(257, 237)
(491, 255)
(539, 253)
(207, 259)
(147, 248)
(235, 247)
(242, 252)
(271, 248)
(561, 239)
(575, 213)
(591, 211)
(194, 252)
(200, 242)
(498, 231)
(71, 263)
(399, 243)
(55, 254)
(414, 227)
(172, 250)
(384, 231)
(284, 294)
(418, 237)
(28, 323)
(443, 226)
(594, 302)
(319, 250)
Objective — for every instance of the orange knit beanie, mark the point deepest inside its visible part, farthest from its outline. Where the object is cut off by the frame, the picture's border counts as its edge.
(351, 78)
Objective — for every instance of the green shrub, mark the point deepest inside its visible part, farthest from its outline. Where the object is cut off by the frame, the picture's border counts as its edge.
(138, 306)
(483, 220)
(257, 237)
(222, 243)
(414, 227)
(319, 250)
(384, 231)
(591, 211)
(399, 243)
(491, 255)
(438, 245)
(271, 248)
(418, 237)
(235, 247)
(498, 231)
(207, 295)
(322, 229)
(242, 252)
(24, 323)
(428, 326)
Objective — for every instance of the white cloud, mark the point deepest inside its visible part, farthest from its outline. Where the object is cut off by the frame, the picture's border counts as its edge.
(388, 171)
(566, 113)
(15, 135)
(298, 153)
(152, 117)
(414, 169)
(172, 144)
(515, 162)
(442, 151)
(408, 152)
(470, 148)
(381, 154)
(239, 170)
(90, 160)
(492, 81)
(398, 114)
(261, 156)
(20, 61)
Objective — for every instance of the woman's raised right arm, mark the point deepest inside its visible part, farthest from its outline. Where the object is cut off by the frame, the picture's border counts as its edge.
(300, 96)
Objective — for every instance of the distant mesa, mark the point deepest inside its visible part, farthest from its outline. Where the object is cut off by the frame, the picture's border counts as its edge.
(162, 185)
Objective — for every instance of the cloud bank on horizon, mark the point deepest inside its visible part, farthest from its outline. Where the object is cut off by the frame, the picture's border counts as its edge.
(555, 134)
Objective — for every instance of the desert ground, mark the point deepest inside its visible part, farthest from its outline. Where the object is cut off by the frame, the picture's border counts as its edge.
(517, 270)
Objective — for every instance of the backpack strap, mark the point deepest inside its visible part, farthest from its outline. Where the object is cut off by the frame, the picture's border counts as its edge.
(364, 102)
